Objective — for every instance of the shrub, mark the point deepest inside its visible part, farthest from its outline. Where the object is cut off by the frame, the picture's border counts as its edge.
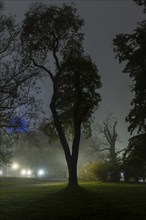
(98, 170)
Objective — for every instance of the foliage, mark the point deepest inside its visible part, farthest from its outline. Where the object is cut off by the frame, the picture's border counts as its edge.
(64, 42)
(78, 88)
(16, 83)
(15, 76)
(132, 49)
(99, 170)
(6, 147)
(133, 173)
(18, 125)
(103, 169)
(53, 43)
(59, 36)
(135, 158)
(86, 172)
(141, 3)
(108, 142)
(6, 153)
(136, 150)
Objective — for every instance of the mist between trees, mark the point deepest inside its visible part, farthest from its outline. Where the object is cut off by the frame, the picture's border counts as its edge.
(48, 46)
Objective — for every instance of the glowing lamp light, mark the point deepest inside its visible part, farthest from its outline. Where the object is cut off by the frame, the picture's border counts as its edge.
(122, 174)
(41, 173)
(26, 173)
(1, 172)
(23, 172)
(29, 172)
(15, 166)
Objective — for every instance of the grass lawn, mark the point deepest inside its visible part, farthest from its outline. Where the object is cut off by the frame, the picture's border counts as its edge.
(37, 200)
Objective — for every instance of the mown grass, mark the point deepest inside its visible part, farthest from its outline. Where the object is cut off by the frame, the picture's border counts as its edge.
(38, 200)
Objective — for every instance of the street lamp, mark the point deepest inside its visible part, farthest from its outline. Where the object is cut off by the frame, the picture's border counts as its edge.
(26, 173)
(1, 172)
(29, 173)
(15, 166)
(41, 173)
(23, 172)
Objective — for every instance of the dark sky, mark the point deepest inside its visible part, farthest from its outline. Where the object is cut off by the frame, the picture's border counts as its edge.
(103, 20)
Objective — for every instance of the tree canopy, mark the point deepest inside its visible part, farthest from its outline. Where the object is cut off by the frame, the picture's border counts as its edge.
(135, 153)
(16, 82)
(107, 143)
(53, 42)
(141, 3)
(131, 48)
(134, 160)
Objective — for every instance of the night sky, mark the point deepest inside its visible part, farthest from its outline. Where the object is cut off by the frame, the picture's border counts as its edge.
(103, 20)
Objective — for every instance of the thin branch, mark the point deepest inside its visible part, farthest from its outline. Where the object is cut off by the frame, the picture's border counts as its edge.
(56, 59)
(97, 149)
(44, 68)
(118, 152)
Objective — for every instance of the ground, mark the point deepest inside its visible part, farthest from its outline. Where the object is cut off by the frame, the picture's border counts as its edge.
(28, 199)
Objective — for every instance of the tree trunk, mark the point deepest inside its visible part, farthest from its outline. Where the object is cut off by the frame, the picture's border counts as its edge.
(71, 156)
(72, 165)
(71, 159)
(72, 169)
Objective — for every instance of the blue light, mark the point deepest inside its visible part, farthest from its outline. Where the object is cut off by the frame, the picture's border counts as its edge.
(18, 125)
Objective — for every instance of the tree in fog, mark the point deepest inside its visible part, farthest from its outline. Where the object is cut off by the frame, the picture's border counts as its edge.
(131, 49)
(107, 143)
(15, 83)
(134, 158)
(53, 42)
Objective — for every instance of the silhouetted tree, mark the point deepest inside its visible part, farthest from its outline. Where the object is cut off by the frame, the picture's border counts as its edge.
(141, 3)
(15, 81)
(53, 34)
(108, 144)
(135, 158)
(131, 48)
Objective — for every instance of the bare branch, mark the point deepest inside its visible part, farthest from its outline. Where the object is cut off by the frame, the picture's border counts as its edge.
(118, 152)
(44, 68)
(97, 149)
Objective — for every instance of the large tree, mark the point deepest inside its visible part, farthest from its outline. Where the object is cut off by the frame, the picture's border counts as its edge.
(16, 82)
(135, 158)
(107, 142)
(131, 49)
(53, 42)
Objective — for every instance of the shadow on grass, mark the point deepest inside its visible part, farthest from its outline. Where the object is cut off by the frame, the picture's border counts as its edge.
(60, 203)
(65, 204)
